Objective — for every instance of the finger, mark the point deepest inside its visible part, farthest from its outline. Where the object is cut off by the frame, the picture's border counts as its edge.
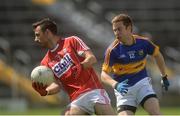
(41, 86)
(125, 81)
(126, 90)
(38, 86)
(34, 84)
(126, 85)
(45, 86)
(123, 93)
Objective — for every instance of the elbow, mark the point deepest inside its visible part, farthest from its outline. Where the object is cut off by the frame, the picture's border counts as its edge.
(102, 76)
(94, 60)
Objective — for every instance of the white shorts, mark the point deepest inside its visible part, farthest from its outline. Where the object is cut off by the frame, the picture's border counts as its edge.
(87, 101)
(135, 93)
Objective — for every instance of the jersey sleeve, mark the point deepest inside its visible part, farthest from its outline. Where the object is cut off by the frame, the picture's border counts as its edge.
(79, 45)
(108, 61)
(109, 57)
(151, 48)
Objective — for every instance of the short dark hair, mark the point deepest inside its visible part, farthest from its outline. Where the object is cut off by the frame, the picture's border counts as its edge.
(126, 19)
(46, 23)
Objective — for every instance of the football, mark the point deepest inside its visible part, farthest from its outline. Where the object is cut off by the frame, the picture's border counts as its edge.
(42, 74)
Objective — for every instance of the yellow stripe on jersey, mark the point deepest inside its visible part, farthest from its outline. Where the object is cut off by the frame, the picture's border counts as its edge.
(121, 69)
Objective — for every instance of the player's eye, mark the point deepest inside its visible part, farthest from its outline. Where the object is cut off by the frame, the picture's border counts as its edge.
(118, 29)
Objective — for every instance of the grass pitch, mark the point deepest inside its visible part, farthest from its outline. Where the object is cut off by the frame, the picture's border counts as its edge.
(58, 111)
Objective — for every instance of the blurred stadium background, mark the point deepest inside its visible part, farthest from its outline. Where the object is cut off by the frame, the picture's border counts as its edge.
(90, 20)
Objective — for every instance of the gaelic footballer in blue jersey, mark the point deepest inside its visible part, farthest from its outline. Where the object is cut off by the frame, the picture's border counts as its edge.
(124, 68)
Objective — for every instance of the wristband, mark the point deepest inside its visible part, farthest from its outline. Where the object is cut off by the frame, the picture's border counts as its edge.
(164, 77)
(115, 87)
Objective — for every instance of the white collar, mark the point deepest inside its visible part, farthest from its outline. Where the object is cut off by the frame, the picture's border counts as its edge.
(55, 48)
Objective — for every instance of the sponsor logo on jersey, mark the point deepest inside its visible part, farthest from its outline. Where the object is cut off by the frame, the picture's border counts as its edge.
(63, 65)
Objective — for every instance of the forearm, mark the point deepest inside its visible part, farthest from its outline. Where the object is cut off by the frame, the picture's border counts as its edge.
(53, 89)
(160, 63)
(106, 79)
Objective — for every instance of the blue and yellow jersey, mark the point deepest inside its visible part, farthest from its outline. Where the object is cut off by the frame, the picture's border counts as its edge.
(128, 62)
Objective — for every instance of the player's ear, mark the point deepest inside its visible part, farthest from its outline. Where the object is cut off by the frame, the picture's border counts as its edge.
(129, 28)
(46, 31)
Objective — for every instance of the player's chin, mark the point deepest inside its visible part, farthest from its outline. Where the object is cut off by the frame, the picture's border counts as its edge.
(41, 44)
(118, 37)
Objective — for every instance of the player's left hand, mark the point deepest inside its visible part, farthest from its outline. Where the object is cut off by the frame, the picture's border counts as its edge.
(165, 83)
(40, 88)
(77, 69)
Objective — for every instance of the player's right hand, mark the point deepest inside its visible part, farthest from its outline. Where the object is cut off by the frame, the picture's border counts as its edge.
(40, 88)
(122, 87)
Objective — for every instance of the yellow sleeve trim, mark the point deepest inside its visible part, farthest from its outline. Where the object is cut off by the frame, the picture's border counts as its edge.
(106, 68)
(156, 51)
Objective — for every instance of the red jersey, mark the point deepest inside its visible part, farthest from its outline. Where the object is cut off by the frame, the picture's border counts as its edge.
(62, 58)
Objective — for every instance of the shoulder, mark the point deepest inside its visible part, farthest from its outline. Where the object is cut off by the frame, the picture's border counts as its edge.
(71, 38)
(139, 38)
(111, 46)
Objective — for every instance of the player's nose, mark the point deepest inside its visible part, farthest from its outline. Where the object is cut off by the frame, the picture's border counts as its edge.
(36, 40)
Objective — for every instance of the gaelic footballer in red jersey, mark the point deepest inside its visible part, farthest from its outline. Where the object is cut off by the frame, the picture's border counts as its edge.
(71, 61)
(67, 54)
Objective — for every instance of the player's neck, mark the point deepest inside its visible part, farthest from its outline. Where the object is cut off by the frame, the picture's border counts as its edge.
(129, 40)
(53, 42)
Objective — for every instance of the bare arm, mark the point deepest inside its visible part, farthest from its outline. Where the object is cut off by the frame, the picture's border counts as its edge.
(160, 63)
(44, 90)
(106, 79)
(89, 60)
(53, 88)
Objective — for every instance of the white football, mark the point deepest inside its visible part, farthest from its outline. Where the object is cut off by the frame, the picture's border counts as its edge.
(42, 74)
